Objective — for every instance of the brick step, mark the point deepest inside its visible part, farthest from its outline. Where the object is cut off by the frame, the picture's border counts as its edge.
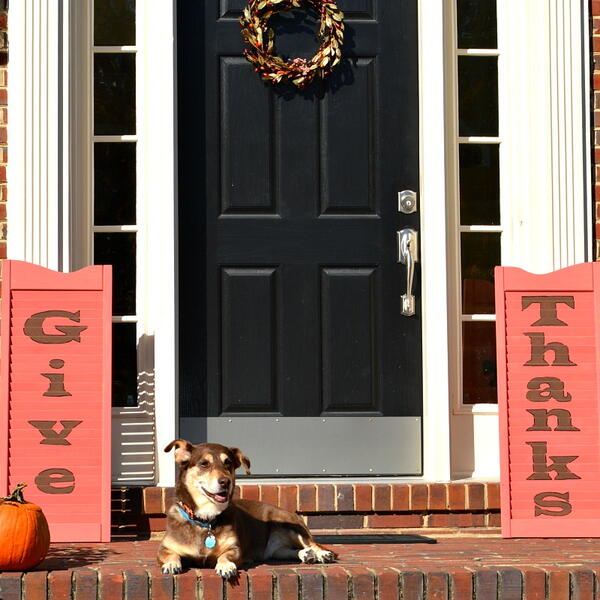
(462, 505)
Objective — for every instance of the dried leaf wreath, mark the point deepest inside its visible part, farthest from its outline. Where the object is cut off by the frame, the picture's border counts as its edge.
(297, 71)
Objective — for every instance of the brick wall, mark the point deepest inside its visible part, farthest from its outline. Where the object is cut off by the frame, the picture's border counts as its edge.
(3, 122)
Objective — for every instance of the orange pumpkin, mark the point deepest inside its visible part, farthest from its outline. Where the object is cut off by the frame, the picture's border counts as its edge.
(23, 531)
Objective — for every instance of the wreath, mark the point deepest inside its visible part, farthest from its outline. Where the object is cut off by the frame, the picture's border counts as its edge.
(260, 39)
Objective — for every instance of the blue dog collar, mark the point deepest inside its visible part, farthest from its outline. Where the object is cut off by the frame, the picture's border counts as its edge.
(211, 540)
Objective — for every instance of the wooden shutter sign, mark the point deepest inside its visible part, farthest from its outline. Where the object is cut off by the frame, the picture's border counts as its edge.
(56, 395)
(548, 355)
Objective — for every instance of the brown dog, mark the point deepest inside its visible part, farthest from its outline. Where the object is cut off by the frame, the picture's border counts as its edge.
(210, 528)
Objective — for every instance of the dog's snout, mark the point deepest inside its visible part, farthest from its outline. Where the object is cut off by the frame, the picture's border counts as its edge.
(224, 482)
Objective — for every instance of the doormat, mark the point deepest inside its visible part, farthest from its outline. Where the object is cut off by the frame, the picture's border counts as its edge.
(374, 538)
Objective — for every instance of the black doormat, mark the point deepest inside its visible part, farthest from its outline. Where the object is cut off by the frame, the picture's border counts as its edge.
(374, 538)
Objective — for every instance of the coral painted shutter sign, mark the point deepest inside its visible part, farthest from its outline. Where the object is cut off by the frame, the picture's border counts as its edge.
(56, 395)
(548, 354)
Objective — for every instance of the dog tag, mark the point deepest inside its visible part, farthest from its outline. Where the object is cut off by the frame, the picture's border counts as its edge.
(210, 541)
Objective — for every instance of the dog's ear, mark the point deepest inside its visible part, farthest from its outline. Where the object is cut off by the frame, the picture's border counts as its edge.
(239, 459)
(183, 450)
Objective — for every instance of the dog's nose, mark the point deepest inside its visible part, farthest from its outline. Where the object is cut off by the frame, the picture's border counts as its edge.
(224, 482)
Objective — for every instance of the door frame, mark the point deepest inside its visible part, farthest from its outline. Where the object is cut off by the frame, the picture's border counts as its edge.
(42, 230)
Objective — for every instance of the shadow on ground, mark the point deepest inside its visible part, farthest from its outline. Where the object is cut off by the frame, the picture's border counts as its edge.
(70, 558)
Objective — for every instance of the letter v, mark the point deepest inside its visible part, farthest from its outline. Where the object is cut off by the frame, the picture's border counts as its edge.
(52, 437)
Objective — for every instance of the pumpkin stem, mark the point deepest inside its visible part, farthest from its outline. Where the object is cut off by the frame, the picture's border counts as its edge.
(16, 495)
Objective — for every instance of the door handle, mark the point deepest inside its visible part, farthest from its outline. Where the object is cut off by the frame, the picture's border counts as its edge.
(408, 255)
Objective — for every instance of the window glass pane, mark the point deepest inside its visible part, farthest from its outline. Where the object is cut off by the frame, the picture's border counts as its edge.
(114, 183)
(114, 22)
(118, 250)
(480, 253)
(478, 95)
(477, 24)
(479, 363)
(479, 184)
(124, 365)
(114, 94)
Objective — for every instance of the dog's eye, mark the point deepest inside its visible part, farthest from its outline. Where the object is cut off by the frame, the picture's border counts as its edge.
(227, 462)
(204, 464)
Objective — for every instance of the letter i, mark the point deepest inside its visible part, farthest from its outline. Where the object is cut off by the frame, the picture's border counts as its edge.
(57, 380)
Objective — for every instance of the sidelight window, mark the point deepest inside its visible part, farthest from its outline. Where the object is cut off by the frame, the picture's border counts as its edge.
(476, 215)
(114, 214)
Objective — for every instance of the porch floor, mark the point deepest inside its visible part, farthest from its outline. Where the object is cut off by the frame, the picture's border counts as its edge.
(469, 566)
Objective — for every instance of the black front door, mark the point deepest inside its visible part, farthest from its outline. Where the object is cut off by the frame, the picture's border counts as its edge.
(292, 339)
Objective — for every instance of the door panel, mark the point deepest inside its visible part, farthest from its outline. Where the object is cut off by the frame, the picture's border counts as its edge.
(290, 285)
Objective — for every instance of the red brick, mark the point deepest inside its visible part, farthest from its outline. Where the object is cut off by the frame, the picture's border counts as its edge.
(363, 497)
(312, 584)
(85, 584)
(288, 497)
(534, 585)
(461, 585)
(595, 7)
(325, 498)
(387, 584)
(135, 585)
(419, 497)
(485, 585)
(441, 520)
(110, 584)
(353, 521)
(3, 96)
(59, 585)
(261, 584)
(382, 497)
(436, 585)
(4, 20)
(286, 583)
(362, 582)
(510, 584)
(558, 585)
(35, 585)
(492, 496)
(3, 174)
(153, 501)
(394, 521)
(11, 586)
(186, 585)
(336, 583)
(400, 497)
(307, 498)
(411, 583)
(437, 496)
(162, 586)
(475, 496)
(270, 494)
(211, 585)
(457, 496)
(582, 584)
(250, 492)
(494, 520)
(156, 522)
(237, 589)
(344, 497)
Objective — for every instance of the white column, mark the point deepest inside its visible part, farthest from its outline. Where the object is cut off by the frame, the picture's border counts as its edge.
(157, 187)
(545, 155)
(432, 205)
(38, 107)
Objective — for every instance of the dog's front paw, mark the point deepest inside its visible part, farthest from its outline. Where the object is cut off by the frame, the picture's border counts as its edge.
(325, 556)
(172, 567)
(226, 569)
(307, 555)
